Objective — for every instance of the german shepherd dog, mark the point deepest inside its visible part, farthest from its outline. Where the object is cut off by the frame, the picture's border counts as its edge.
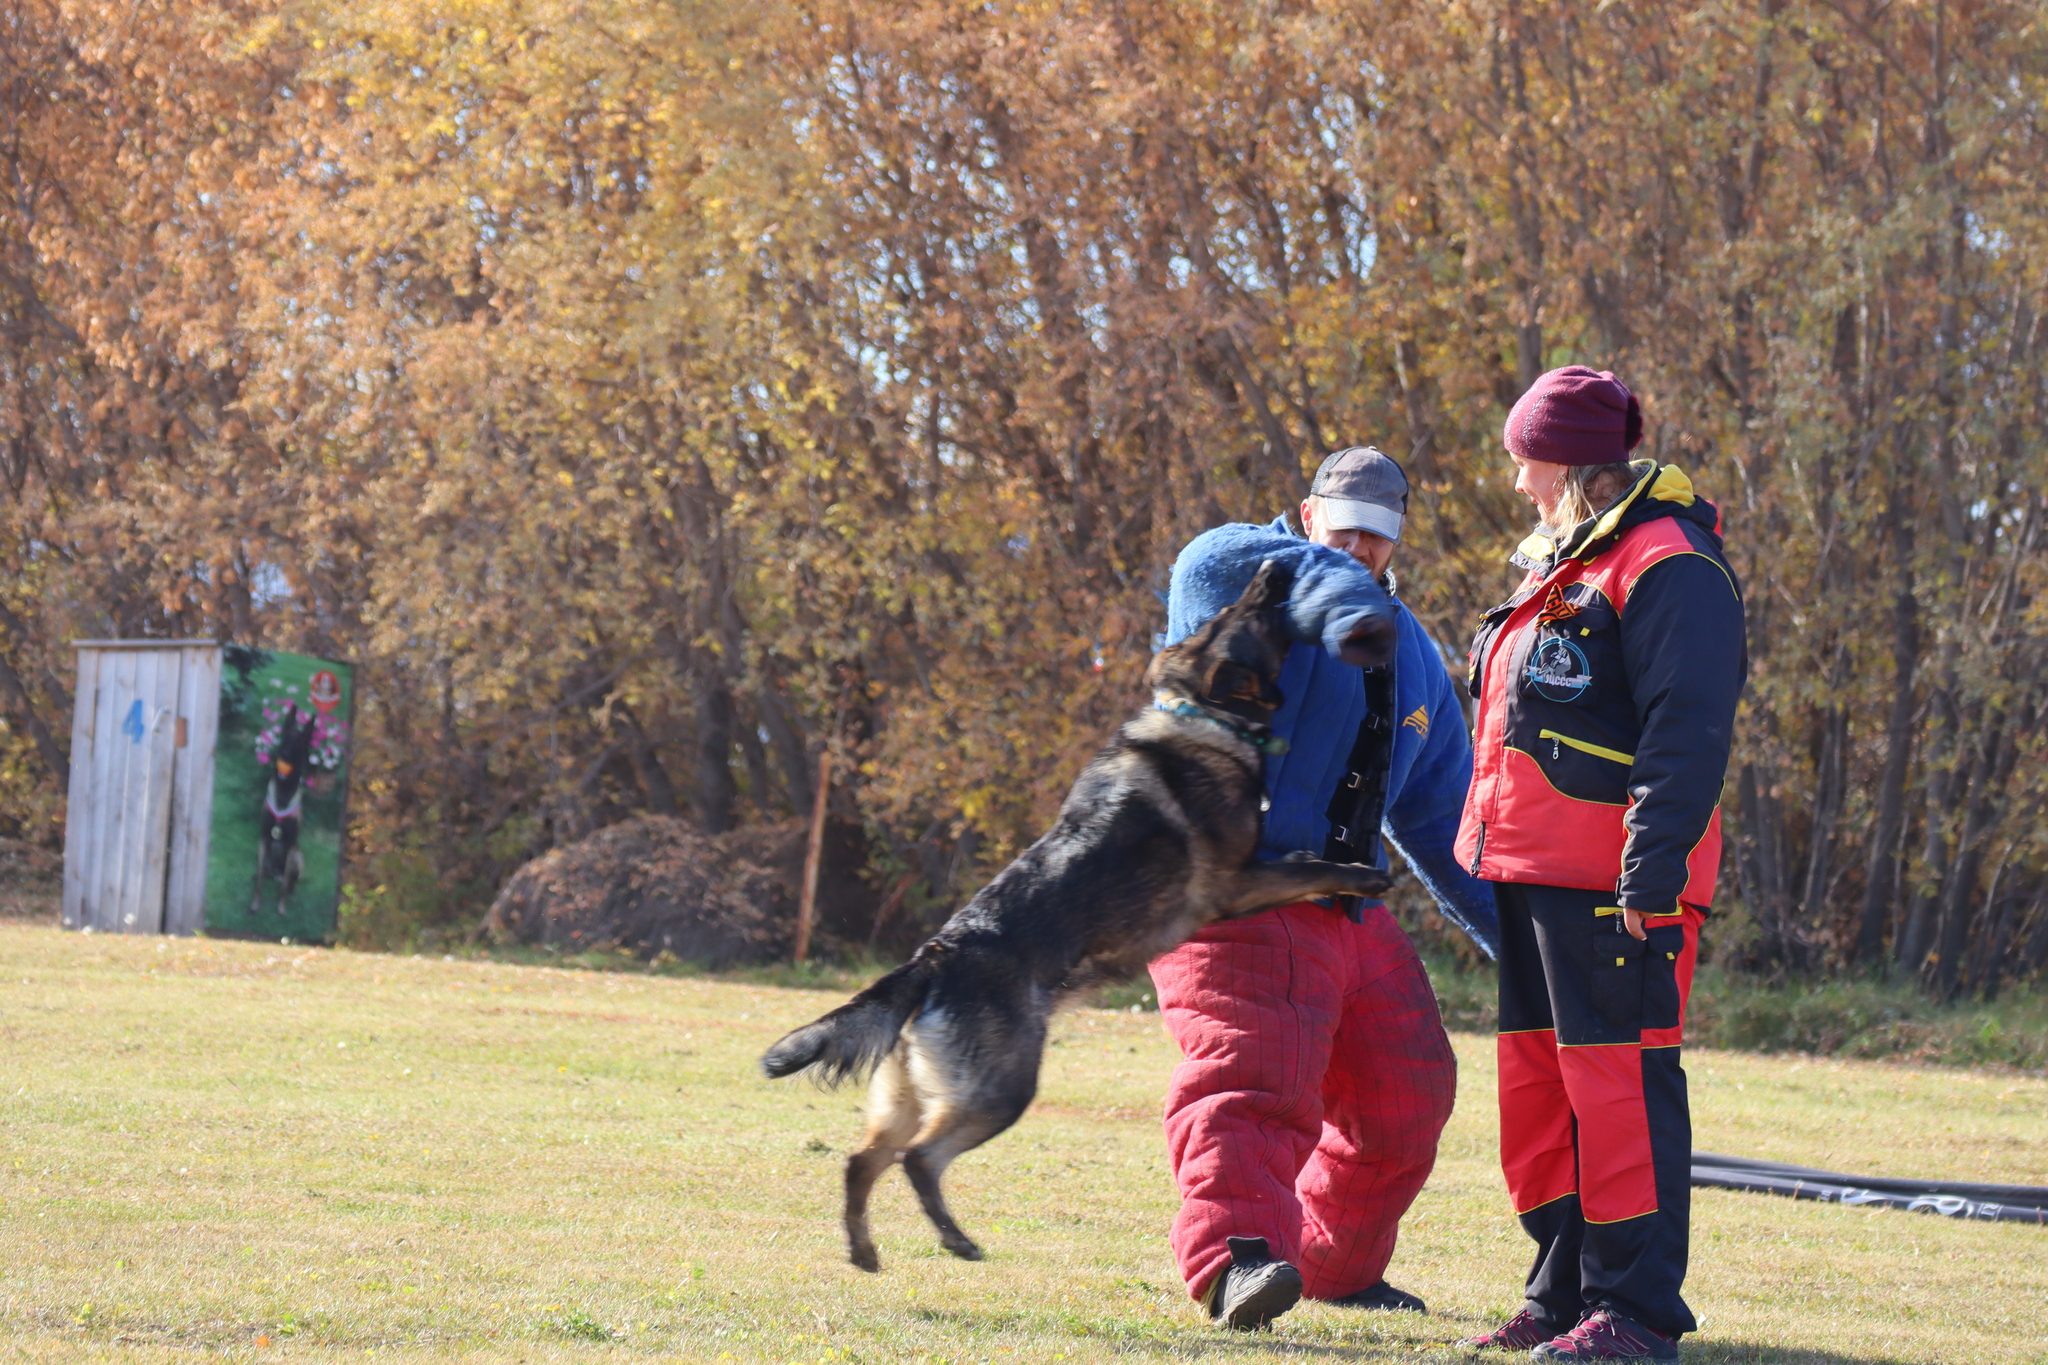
(1154, 841)
(277, 847)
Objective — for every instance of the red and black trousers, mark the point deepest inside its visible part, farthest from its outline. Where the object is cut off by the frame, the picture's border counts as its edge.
(1316, 1079)
(1595, 1129)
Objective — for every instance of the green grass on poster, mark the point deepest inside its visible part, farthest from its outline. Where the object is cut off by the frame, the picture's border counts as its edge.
(308, 915)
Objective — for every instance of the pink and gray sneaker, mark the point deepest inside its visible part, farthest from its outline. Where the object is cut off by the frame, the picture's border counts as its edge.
(1518, 1333)
(1606, 1335)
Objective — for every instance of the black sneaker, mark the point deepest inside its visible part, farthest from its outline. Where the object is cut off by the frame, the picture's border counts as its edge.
(1254, 1288)
(1385, 1298)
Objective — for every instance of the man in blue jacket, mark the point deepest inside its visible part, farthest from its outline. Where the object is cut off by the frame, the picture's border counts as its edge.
(1316, 1075)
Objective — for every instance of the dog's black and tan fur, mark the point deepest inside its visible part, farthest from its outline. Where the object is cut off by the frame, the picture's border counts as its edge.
(278, 856)
(1155, 841)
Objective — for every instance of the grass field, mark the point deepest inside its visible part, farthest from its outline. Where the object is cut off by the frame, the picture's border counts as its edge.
(260, 1153)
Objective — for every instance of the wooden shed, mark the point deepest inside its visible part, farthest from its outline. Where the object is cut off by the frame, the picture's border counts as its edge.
(142, 734)
(175, 790)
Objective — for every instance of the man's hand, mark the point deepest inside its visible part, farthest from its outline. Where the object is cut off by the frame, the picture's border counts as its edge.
(1371, 644)
(1632, 920)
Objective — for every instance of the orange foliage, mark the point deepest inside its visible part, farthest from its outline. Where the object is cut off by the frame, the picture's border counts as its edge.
(650, 396)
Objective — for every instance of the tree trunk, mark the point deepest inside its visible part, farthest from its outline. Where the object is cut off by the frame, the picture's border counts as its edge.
(786, 737)
(1762, 866)
(46, 744)
(1525, 213)
(755, 756)
(1421, 460)
(1987, 956)
(1916, 939)
(716, 791)
(1830, 780)
(655, 786)
(1887, 827)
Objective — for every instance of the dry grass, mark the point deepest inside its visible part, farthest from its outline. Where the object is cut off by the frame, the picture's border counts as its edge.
(262, 1153)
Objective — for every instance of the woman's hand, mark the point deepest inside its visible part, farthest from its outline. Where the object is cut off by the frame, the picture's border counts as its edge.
(1632, 920)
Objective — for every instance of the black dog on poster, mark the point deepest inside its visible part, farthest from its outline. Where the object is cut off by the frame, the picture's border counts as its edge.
(277, 848)
(1154, 842)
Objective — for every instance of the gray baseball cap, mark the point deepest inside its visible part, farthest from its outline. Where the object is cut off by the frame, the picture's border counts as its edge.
(1362, 490)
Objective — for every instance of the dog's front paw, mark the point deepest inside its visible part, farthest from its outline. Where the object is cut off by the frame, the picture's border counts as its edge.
(1365, 881)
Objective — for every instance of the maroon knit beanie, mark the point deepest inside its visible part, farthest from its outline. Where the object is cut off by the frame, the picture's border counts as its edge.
(1575, 416)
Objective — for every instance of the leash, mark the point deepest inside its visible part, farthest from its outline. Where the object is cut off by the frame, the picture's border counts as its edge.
(1267, 743)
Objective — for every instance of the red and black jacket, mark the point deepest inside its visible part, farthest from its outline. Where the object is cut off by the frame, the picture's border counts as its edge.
(1607, 687)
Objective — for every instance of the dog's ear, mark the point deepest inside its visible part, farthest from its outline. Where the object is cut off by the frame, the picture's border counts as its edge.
(1230, 681)
(1269, 586)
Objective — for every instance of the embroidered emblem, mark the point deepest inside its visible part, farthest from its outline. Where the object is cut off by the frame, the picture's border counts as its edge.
(1558, 669)
(1418, 721)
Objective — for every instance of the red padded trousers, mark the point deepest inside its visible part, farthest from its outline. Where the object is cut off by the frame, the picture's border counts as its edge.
(1315, 1080)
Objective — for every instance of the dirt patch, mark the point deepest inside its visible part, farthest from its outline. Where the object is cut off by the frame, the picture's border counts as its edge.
(654, 885)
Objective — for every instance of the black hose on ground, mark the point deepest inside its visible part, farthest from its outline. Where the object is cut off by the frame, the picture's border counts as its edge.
(1949, 1198)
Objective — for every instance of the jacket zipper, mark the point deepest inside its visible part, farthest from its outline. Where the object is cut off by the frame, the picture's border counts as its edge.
(1611, 755)
(1479, 852)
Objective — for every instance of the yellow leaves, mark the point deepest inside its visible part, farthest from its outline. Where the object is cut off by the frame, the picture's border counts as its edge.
(262, 33)
(497, 262)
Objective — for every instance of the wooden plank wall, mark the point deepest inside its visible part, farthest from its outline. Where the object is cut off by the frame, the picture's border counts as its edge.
(109, 793)
(142, 906)
(192, 790)
(132, 901)
(129, 778)
(79, 816)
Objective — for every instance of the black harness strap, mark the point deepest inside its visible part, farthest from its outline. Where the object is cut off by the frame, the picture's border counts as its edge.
(1361, 800)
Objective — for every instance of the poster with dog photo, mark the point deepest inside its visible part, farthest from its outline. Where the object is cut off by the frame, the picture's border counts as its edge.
(280, 779)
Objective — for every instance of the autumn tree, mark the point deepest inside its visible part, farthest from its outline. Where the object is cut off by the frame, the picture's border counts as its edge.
(655, 399)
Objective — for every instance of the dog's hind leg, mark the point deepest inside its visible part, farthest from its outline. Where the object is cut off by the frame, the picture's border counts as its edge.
(893, 1114)
(262, 854)
(956, 1123)
(925, 1163)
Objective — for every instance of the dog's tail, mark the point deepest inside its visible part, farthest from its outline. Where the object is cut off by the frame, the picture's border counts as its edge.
(850, 1040)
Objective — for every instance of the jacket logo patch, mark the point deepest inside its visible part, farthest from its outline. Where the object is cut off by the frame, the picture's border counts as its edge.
(1418, 721)
(1558, 669)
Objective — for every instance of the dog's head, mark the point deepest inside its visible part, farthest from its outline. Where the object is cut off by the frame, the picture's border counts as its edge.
(294, 745)
(1232, 664)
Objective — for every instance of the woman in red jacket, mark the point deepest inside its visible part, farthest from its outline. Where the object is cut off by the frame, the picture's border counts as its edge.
(1606, 692)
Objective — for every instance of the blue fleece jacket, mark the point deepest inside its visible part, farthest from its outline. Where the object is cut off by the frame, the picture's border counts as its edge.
(1325, 704)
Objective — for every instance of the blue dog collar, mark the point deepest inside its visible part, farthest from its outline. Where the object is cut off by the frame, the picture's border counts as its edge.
(1268, 743)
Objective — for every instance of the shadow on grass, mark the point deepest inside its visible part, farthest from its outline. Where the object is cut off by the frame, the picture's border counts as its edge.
(1364, 1338)
(1754, 1353)
(1221, 1346)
